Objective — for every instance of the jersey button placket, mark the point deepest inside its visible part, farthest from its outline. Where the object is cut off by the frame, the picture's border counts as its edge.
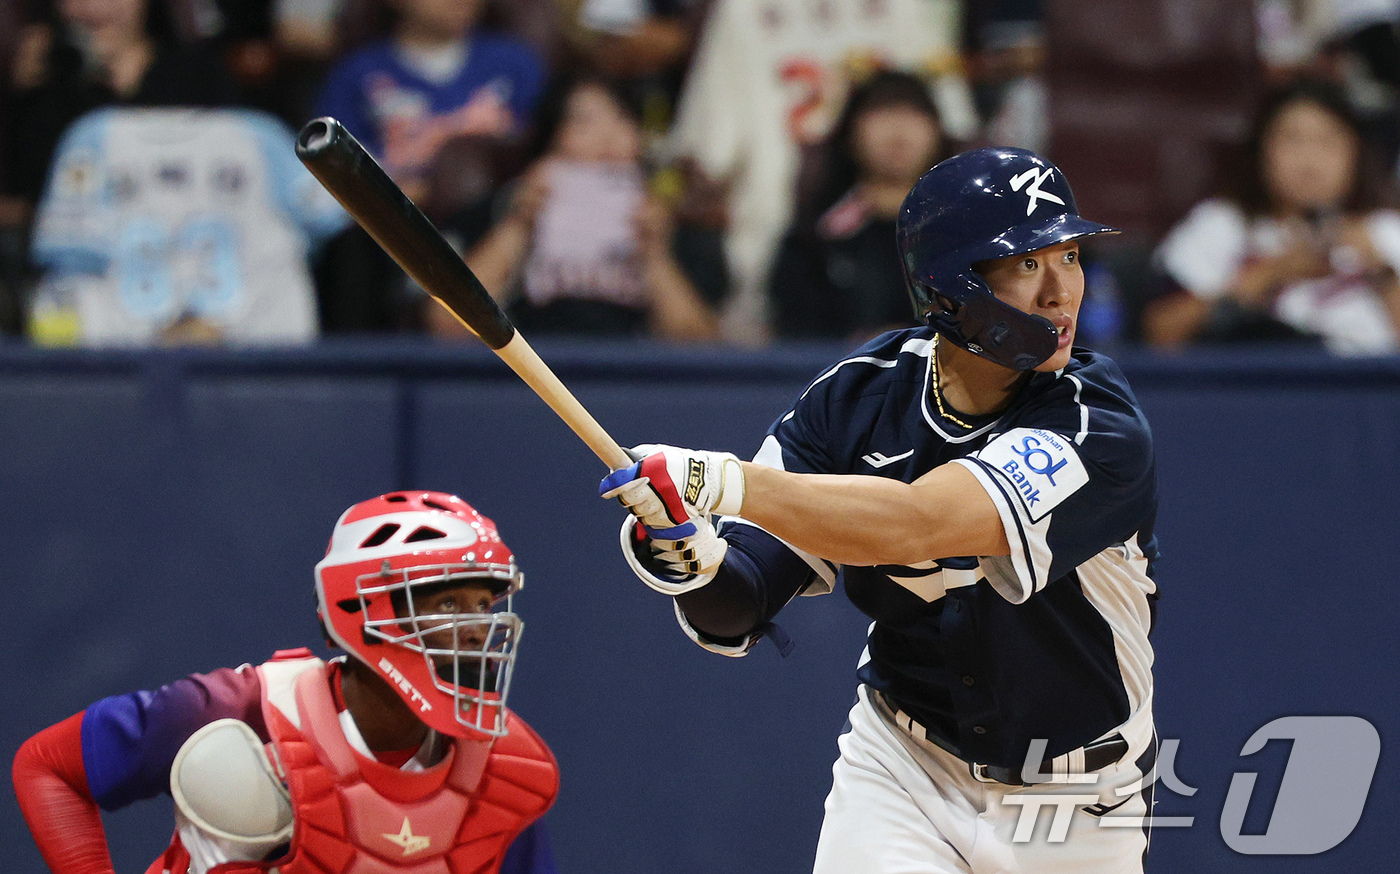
(971, 705)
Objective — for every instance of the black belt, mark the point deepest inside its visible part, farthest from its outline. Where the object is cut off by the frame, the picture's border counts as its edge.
(1097, 755)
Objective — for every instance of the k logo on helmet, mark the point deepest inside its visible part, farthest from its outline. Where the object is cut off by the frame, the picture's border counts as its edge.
(1036, 178)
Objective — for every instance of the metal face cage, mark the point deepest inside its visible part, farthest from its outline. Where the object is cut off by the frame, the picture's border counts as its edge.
(469, 656)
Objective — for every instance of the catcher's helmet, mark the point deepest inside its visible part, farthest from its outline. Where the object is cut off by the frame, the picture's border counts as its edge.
(453, 668)
(980, 205)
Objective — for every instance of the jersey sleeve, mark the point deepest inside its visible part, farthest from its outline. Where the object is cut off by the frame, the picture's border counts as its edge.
(759, 576)
(130, 741)
(73, 227)
(53, 795)
(1068, 483)
(760, 573)
(309, 205)
(528, 84)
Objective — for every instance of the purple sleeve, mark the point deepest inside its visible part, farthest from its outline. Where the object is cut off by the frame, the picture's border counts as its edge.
(130, 741)
(530, 852)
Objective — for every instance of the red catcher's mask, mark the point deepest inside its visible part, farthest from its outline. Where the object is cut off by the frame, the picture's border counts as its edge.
(451, 667)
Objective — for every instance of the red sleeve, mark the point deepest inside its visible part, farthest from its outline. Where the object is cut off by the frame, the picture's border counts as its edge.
(51, 784)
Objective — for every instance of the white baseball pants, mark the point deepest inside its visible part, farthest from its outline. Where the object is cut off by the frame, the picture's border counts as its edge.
(905, 806)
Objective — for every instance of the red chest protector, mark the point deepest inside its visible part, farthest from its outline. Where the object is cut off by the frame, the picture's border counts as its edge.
(355, 815)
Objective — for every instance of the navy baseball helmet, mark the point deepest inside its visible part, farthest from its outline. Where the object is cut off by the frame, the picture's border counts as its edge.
(980, 205)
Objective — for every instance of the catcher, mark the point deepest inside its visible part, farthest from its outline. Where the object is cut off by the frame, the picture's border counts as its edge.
(399, 756)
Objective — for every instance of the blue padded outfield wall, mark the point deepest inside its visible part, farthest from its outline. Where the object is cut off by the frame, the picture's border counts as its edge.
(161, 513)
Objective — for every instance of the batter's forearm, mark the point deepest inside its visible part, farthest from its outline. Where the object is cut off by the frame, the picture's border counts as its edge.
(759, 575)
(725, 609)
(869, 520)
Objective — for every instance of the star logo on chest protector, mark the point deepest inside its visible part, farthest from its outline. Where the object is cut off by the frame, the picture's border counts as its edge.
(410, 842)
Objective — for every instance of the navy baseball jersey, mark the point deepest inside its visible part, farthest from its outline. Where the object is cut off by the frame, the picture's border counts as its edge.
(1050, 641)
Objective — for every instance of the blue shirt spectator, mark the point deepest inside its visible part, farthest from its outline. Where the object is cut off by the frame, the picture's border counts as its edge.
(435, 79)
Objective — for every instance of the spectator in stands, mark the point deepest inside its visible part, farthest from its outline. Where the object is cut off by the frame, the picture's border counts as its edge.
(178, 226)
(1311, 37)
(1006, 60)
(627, 38)
(1353, 42)
(82, 54)
(1306, 247)
(307, 28)
(837, 274)
(12, 21)
(582, 246)
(768, 78)
(645, 44)
(14, 212)
(307, 37)
(434, 79)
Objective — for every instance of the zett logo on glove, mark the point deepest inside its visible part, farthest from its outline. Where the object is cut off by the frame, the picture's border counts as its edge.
(694, 481)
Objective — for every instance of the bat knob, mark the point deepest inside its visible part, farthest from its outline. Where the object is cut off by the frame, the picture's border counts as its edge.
(317, 134)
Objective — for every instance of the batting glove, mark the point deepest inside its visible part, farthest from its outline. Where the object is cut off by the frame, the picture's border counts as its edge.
(673, 566)
(670, 486)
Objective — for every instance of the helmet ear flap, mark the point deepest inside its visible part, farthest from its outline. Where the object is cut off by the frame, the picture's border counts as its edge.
(950, 306)
(933, 306)
(987, 326)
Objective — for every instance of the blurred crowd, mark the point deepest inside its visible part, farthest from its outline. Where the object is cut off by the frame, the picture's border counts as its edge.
(690, 170)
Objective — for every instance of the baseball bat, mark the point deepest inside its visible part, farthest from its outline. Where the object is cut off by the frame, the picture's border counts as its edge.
(349, 173)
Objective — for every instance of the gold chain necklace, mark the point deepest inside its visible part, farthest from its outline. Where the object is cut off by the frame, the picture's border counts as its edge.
(938, 390)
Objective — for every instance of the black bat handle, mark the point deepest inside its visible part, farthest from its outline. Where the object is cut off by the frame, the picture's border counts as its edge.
(348, 172)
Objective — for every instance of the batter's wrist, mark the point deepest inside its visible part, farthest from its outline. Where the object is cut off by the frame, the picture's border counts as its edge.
(732, 488)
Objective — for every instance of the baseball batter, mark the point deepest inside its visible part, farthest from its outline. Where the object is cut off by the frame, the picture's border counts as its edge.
(987, 492)
(400, 757)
